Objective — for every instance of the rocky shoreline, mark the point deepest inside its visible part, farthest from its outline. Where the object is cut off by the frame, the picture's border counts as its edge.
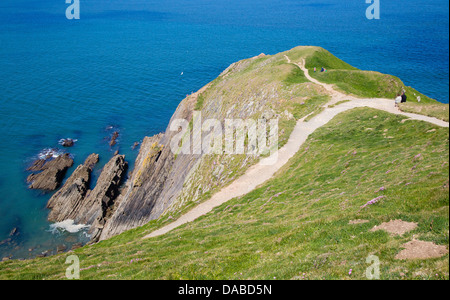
(74, 200)
(51, 172)
(115, 205)
(160, 181)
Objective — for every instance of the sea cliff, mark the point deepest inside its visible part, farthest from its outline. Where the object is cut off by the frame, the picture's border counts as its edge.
(164, 183)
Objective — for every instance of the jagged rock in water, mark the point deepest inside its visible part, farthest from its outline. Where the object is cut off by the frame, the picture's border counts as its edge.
(162, 181)
(14, 232)
(91, 161)
(37, 165)
(75, 202)
(52, 173)
(114, 138)
(99, 202)
(67, 142)
(66, 203)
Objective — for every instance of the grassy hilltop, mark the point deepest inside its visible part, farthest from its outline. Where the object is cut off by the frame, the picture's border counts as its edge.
(314, 219)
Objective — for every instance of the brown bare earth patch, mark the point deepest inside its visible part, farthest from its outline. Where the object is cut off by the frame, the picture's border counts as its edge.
(396, 227)
(421, 250)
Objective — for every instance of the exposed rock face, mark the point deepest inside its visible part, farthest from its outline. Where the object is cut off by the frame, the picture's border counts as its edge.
(163, 182)
(91, 161)
(52, 172)
(37, 165)
(156, 180)
(66, 203)
(100, 201)
(75, 202)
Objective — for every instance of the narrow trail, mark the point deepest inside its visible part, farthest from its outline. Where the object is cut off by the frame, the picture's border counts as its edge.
(377, 103)
(267, 167)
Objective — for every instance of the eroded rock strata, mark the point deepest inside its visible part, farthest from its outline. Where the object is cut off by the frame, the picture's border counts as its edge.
(162, 181)
(156, 181)
(74, 201)
(51, 173)
(68, 201)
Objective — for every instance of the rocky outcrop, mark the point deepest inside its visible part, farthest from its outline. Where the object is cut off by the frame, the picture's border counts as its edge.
(155, 182)
(114, 138)
(37, 165)
(100, 202)
(162, 181)
(74, 201)
(68, 201)
(51, 172)
(67, 142)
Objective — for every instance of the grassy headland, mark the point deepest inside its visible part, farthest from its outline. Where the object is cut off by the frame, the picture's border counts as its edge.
(297, 225)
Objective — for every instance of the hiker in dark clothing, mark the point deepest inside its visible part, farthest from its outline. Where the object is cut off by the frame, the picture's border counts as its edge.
(403, 97)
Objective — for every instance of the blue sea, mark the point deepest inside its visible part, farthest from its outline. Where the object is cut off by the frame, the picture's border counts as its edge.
(125, 66)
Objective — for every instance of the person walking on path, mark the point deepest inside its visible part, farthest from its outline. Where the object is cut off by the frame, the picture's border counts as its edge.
(398, 100)
(403, 97)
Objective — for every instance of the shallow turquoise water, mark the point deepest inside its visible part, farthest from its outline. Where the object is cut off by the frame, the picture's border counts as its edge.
(120, 65)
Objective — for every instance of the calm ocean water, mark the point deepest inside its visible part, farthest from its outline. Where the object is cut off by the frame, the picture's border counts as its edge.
(120, 67)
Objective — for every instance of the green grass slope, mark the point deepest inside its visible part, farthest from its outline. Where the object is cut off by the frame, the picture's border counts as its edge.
(269, 85)
(432, 109)
(296, 226)
(352, 80)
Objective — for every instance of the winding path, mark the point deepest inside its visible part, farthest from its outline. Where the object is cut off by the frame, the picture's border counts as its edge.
(267, 167)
